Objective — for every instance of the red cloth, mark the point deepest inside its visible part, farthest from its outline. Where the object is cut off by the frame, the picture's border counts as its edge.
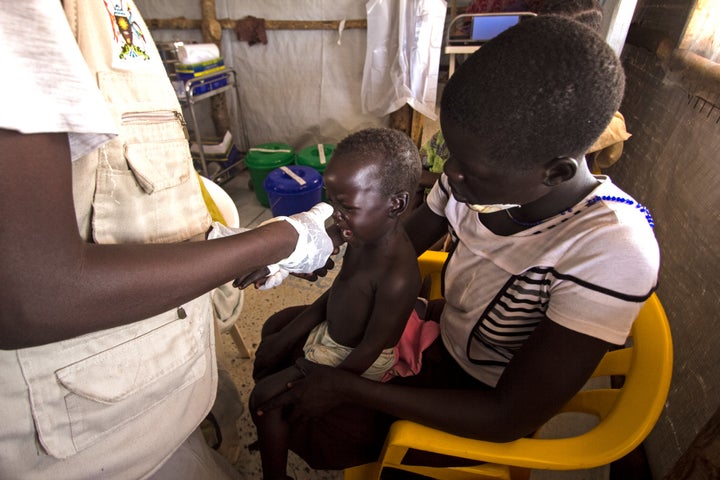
(417, 336)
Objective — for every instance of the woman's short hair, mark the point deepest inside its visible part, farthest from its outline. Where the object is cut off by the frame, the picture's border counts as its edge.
(544, 89)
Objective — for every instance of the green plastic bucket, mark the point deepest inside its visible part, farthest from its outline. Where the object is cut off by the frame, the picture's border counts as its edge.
(261, 160)
(317, 157)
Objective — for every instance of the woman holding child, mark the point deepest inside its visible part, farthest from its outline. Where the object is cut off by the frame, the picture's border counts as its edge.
(549, 267)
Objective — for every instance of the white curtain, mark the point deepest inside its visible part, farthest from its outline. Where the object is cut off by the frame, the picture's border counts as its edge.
(404, 42)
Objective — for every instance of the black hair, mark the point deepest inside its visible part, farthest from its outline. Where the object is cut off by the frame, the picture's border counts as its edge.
(587, 12)
(544, 89)
(394, 153)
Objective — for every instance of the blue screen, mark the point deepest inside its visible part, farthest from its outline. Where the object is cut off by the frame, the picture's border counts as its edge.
(485, 28)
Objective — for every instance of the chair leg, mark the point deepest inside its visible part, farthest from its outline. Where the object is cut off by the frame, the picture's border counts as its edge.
(239, 342)
(517, 473)
(369, 471)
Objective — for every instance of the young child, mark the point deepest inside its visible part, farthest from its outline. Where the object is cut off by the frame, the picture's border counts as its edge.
(357, 323)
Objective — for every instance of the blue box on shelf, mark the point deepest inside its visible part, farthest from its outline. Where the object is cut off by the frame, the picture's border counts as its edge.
(206, 83)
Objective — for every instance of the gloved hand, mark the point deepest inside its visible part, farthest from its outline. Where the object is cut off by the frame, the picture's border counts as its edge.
(314, 245)
(275, 277)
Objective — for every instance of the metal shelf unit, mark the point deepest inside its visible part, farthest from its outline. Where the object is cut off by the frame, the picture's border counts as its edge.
(226, 81)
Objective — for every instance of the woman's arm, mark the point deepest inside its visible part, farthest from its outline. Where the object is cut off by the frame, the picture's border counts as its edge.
(424, 228)
(56, 286)
(549, 369)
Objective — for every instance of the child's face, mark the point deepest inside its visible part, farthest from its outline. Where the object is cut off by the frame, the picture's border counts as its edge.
(473, 181)
(361, 211)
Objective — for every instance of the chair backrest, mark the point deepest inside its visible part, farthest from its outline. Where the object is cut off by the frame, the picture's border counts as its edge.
(223, 201)
(627, 413)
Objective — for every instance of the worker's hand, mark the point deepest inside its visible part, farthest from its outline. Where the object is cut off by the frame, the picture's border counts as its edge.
(275, 277)
(265, 278)
(314, 240)
(314, 245)
(320, 272)
(334, 233)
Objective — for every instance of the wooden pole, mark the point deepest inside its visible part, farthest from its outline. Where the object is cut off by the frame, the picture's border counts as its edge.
(182, 23)
(212, 33)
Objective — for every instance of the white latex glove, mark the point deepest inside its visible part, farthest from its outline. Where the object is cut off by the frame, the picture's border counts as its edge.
(275, 277)
(219, 230)
(314, 245)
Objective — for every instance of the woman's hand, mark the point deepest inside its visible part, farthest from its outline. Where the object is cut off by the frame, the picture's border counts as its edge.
(318, 391)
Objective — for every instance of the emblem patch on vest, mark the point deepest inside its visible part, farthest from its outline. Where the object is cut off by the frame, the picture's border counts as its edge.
(129, 42)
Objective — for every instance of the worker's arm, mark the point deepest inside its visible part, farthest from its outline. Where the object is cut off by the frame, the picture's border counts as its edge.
(56, 286)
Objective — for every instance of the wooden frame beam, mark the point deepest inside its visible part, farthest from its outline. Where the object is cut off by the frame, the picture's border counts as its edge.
(182, 23)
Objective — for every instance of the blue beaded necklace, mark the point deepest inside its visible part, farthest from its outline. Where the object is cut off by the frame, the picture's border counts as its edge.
(610, 198)
(591, 201)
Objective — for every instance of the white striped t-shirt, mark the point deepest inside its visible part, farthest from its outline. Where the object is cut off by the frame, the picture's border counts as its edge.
(589, 269)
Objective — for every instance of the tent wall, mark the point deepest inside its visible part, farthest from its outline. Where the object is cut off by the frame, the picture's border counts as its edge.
(303, 87)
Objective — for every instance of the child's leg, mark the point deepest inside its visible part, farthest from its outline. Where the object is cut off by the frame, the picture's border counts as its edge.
(272, 429)
(273, 325)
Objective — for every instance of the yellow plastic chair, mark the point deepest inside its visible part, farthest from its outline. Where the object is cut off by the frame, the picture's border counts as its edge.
(626, 415)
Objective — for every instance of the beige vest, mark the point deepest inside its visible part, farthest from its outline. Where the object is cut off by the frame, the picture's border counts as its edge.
(116, 403)
(140, 187)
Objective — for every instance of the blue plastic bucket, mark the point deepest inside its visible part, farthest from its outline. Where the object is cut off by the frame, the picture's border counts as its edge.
(293, 189)
(263, 159)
